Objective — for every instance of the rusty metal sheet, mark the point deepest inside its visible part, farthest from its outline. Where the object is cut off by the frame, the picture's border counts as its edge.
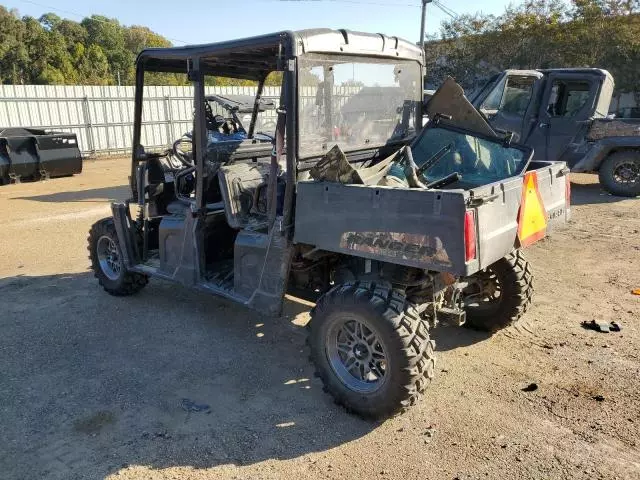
(449, 100)
(334, 167)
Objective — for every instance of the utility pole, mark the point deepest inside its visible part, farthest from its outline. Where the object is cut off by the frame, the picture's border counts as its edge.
(423, 22)
(423, 26)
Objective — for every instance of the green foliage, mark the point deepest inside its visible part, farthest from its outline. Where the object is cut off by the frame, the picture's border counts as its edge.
(96, 51)
(540, 34)
(56, 51)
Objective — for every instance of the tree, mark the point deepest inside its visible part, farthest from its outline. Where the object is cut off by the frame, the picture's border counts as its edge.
(14, 58)
(94, 68)
(109, 35)
(50, 21)
(53, 50)
(540, 34)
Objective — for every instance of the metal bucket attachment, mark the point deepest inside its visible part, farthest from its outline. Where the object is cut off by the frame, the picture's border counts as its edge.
(28, 153)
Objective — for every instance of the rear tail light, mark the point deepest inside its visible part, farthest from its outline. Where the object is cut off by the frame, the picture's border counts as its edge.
(568, 191)
(469, 235)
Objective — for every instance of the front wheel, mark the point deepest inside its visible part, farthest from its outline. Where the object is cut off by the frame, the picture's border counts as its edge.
(371, 348)
(620, 173)
(499, 295)
(107, 262)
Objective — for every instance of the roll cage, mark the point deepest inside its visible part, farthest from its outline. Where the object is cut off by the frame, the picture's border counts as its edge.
(254, 59)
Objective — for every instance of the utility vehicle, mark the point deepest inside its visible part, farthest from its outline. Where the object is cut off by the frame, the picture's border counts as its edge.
(389, 227)
(563, 114)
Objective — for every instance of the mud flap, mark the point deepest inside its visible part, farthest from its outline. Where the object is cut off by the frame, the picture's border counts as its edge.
(261, 269)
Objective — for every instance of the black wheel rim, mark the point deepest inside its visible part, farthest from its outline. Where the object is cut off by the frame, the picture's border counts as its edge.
(357, 354)
(627, 172)
(484, 292)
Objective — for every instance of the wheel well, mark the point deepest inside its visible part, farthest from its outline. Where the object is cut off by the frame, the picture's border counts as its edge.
(622, 149)
(314, 271)
(613, 151)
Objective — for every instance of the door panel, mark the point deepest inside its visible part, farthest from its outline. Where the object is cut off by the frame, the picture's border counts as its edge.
(508, 104)
(565, 111)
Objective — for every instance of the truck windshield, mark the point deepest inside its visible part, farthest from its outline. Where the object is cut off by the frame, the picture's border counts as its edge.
(479, 161)
(355, 102)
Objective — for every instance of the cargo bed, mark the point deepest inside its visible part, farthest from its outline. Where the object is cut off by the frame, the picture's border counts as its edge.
(425, 228)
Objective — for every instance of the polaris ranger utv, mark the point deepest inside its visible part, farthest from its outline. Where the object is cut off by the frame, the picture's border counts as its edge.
(391, 228)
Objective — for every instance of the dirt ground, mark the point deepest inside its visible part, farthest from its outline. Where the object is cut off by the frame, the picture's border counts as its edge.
(93, 386)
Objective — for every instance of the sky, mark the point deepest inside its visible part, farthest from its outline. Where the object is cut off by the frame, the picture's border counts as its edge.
(206, 21)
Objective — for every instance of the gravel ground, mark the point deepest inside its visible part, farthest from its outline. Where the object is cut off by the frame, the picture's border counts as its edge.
(98, 387)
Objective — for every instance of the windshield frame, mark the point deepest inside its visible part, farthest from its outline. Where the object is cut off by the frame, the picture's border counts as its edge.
(526, 150)
(415, 127)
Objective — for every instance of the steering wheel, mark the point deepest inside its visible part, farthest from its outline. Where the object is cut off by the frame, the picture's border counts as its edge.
(184, 157)
(214, 122)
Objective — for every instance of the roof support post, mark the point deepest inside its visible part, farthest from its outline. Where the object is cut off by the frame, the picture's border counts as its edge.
(137, 125)
(199, 130)
(256, 107)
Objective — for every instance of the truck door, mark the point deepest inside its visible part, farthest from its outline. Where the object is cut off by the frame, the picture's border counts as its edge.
(567, 106)
(511, 103)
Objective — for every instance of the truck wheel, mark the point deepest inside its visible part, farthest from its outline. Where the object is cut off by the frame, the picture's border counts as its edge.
(500, 294)
(371, 348)
(620, 173)
(107, 263)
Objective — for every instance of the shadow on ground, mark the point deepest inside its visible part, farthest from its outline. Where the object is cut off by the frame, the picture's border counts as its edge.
(169, 377)
(98, 195)
(591, 193)
(450, 337)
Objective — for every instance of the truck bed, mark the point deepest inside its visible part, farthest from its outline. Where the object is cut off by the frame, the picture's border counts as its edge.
(613, 127)
(424, 228)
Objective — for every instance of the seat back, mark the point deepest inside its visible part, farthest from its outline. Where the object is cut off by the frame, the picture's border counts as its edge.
(238, 150)
(239, 184)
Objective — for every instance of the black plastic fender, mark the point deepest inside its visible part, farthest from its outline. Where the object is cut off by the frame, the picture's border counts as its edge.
(600, 150)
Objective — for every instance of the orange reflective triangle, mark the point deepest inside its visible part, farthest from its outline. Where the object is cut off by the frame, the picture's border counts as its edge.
(532, 219)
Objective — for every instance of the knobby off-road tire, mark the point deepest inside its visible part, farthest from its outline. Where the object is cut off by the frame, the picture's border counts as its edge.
(512, 279)
(107, 263)
(392, 341)
(620, 173)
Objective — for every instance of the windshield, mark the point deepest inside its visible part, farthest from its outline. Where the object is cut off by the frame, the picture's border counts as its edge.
(484, 90)
(477, 160)
(240, 109)
(355, 102)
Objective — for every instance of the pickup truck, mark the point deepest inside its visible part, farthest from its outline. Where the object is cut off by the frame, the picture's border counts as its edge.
(563, 115)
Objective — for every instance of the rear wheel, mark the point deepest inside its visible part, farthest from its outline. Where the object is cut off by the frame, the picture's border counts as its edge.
(371, 348)
(620, 173)
(499, 295)
(107, 262)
